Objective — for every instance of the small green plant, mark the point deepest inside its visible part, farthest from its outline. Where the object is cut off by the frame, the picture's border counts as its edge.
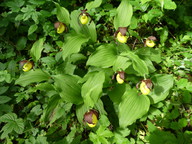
(97, 72)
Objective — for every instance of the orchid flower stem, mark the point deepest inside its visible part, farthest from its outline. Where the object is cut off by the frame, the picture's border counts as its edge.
(144, 77)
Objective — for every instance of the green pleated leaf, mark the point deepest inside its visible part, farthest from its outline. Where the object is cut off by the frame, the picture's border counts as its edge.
(117, 92)
(150, 53)
(132, 107)
(89, 30)
(162, 85)
(124, 14)
(32, 76)
(80, 111)
(138, 64)
(92, 88)
(121, 63)
(93, 4)
(37, 49)
(62, 14)
(74, 23)
(104, 56)
(68, 88)
(73, 44)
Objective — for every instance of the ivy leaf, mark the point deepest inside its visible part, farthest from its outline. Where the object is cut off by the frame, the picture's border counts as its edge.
(21, 43)
(132, 107)
(124, 14)
(62, 14)
(153, 13)
(8, 117)
(68, 88)
(92, 88)
(73, 44)
(12, 123)
(168, 4)
(93, 4)
(37, 49)
(4, 99)
(32, 76)
(104, 56)
(162, 84)
(32, 29)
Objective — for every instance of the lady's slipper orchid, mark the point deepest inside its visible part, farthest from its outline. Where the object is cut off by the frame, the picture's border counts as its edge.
(60, 27)
(26, 65)
(146, 86)
(84, 17)
(150, 41)
(91, 118)
(120, 77)
(120, 34)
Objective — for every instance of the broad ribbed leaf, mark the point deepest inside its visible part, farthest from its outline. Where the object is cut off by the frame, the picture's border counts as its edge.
(124, 14)
(73, 44)
(74, 23)
(138, 64)
(92, 88)
(90, 31)
(68, 88)
(162, 84)
(62, 14)
(37, 49)
(117, 92)
(104, 56)
(80, 111)
(150, 53)
(132, 107)
(32, 76)
(93, 4)
(121, 63)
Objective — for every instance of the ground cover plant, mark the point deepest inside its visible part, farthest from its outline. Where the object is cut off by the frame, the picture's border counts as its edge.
(100, 71)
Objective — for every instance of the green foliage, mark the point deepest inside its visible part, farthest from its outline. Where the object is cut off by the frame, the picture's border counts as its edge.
(12, 124)
(132, 107)
(124, 14)
(76, 70)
